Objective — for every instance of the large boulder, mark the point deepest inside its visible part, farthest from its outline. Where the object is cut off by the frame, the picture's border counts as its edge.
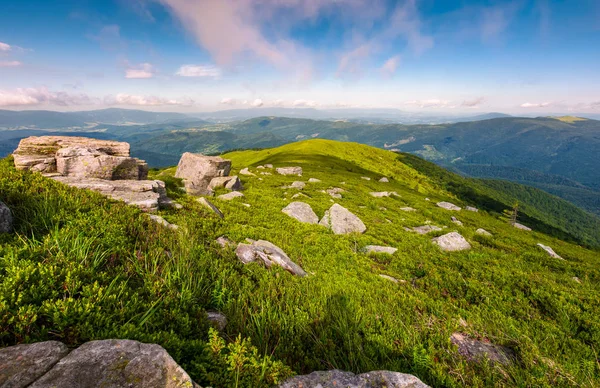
(302, 212)
(289, 170)
(474, 350)
(341, 221)
(21, 365)
(6, 219)
(197, 171)
(452, 242)
(340, 379)
(116, 363)
(269, 254)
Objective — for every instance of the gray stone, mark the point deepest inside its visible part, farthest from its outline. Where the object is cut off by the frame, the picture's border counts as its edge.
(474, 350)
(521, 226)
(408, 209)
(6, 219)
(335, 192)
(225, 242)
(116, 363)
(300, 195)
(268, 166)
(302, 212)
(217, 319)
(161, 221)
(21, 365)
(296, 185)
(384, 180)
(390, 278)
(456, 221)
(451, 242)
(380, 194)
(340, 379)
(550, 251)
(289, 171)
(88, 162)
(365, 178)
(424, 229)
(471, 209)
(576, 279)
(230, 196)
(483, 232)
(209, 205)
(229, 182)
(269, 254)
(341, 221)
(314, 180)
(246, 171)
(198, 170)
(380, 249)
(448, 206)
(260, 167)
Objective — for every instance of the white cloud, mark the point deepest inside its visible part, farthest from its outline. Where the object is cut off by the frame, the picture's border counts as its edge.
(229, 101)
(277, 103)
(10, 63)
(431, 103)
(129, 99)
(199, 71)
(257, 103)
(473, 103)
(40, 96)
(304, 103)
(143, 70)
(5, 46)
(536, 105)
(390, 66)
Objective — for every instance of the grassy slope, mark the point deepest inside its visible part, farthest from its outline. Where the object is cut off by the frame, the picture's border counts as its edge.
(342, 316)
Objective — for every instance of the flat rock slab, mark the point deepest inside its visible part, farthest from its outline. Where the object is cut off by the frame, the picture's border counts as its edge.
(424, 229)
(302, 212)
(340, 379)
(341, 221)
(521, 226)
(116, 364)
(21, 365)
(380, 249)
(269, 254)
(448, 206)
(6, 219)
(209, 205)
(289, 170)
(549, 251)
(483, 232)
(474, 350)
(451, 242)
(230, 196)
(197, 171)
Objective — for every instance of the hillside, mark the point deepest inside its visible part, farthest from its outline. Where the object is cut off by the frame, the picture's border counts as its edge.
(90, 268)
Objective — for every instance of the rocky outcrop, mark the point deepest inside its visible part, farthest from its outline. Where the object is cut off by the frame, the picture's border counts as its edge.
(302, 212)
(549, 251)
(338, 379)
(452, 242)
(448, 206)
(379, 249)
(232, 183)
(6, 219)
(197, 171)
(289, 170)
(341, 221)
(474, 350)
(209, 205)
(21, 365)
(269, 254)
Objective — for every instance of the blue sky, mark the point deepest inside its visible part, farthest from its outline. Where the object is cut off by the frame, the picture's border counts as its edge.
(519, 56)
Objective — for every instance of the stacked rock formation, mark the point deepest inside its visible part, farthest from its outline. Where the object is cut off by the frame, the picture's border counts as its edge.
(202, 174)
(104, 166)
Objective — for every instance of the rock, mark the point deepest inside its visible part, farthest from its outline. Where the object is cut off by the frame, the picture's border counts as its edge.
(300, 195)
(230, 196)
(452, 242)
(268, 166)
(269, 254)
(340, 379)
(265, 173)
(335, 192)
(163, 222)
(365, 178)
(576, 279)
(6, 219)
(246, 171)
(260, 167)
(341, 221)
(83, 162)
(314, 180)
(302, 212)
(456, 221)
(217, 319)
(483, 232)
(246, 204)
(209, 205)
(21, 365)
(408, 209)
(550, 251)
(474, 350)
(521, 226)
(427, 199)
(380, 194)
(384, 180)
(426, 229)
(289, 171)
(116, 363)
(471, 209)
(390, 278)
(379, 249)
(225, 242)
(448, 206)
(229, 182)
(296, 185)
(198, 171)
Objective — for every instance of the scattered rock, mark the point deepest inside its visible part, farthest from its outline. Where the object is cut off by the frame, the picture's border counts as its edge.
(576, 279)
(230, 196)
(550, 251)
(260, 167)
(246, 171)
(296, 185)
(314, 180)
(384, 180)
(335, 192)
(379, 249)
(427, 199)
(341, 221)
(380, 194)
(452, 242)
(217, 319)
(472, 209)
(474, 350)
(21, 365)
(209, 205)
(448, 206)
(300, 195)
(246, 204)
(6, 219)
(229, 182)
(365, 178)
(408, 209)
(116, 363)
(268, 166)
(198, 171)
(289, 171)
(426, 229)
(163, 222)
(302, 212)
(265, 173)
(483, 232)
(269, 254)
(225, 242)
(521, 226)
(390, 278)
(456, 221)
(340, 379)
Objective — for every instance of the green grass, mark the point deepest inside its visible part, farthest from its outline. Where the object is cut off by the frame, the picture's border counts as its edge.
(82, 267)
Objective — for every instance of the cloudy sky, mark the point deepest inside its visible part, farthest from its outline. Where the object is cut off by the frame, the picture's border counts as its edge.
(518, 56)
